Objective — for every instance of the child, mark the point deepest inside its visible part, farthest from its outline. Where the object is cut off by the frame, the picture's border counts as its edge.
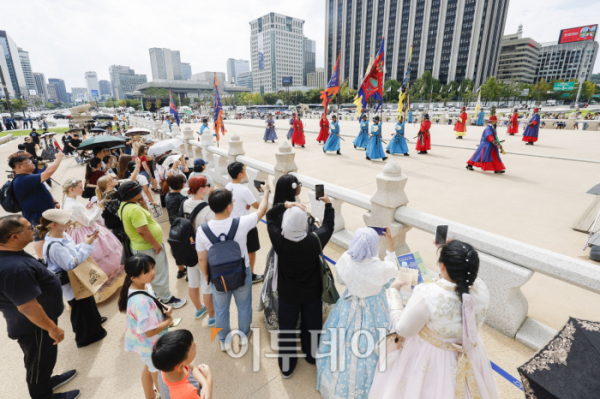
(242, 201)
(173, 355)
(147, 318)
(61, 255)
(173, 200)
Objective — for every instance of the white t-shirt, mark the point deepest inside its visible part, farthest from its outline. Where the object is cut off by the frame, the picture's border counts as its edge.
(242, 197)
(203, 216)
(141, 179)
(219, 227)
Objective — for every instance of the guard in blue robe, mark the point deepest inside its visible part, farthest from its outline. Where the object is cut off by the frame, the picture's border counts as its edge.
(530, 135)
(375, 148)
(270, 130)
(487, 155)
(291, 131)
(205, 127)
(397, 144)
(480, 118)
(362, 139)
(410, 117)
(333, 141)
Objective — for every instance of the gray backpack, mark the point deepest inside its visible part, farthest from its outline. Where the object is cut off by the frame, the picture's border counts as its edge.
(226, 265)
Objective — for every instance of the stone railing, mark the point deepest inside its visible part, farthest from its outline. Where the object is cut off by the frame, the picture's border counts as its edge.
(5, 139)
(506, 264)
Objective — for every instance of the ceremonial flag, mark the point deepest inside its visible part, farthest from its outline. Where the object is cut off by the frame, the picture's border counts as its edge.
(467, 88)
(459, 86)
(449, 88)
(333, 86)
(218, 111)
(372, 85)
(173, 107)
(478, 106)
(404, 88)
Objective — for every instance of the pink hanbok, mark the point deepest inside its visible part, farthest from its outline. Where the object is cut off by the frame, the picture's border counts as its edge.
(441, 354)
(107, 247)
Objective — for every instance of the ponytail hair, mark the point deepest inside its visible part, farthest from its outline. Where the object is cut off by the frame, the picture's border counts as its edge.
(101, 185)
(462, 264)
(43, 227)
(135, 266)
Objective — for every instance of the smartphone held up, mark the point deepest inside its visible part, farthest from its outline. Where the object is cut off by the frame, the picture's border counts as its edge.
(379, 230)
(258, 185)
(319, 191)
(441, 234)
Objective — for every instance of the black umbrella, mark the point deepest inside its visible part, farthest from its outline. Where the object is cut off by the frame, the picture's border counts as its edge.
(568, 366)
(101, 141)
(104, 117)
(97, 130)
(73, 130)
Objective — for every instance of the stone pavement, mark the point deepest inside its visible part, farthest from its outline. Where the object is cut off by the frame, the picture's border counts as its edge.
(536, 202)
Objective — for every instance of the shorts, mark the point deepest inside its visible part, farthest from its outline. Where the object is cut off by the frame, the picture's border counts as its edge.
(196, 280)
(252, 242)
(148, 362)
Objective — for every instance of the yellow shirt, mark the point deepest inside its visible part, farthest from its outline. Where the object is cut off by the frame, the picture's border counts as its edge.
(134, 216)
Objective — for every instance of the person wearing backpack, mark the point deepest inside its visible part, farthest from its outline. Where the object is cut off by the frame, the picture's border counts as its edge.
(173, 201)
(217, 256)
(199, 188)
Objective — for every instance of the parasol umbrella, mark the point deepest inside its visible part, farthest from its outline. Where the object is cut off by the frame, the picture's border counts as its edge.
(165, 146)
(47, 134)
(137, 131)
(567, 367)
(101, 141)
(105, 117)
(73, 130)
(97, 130)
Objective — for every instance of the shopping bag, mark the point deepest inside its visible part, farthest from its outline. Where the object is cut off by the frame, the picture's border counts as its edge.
(156, 211)
(87, 278)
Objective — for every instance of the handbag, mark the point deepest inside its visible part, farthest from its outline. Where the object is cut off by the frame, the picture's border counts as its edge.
(329, 294)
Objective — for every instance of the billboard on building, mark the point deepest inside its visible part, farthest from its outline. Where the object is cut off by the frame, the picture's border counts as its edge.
(32, 92)
(94, 93)
(579, 34)
(261, 52)
(286, 81)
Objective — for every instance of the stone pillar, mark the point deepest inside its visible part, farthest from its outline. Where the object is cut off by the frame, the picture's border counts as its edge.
(285, 161)
(157, 126)
(388, 197)
(443, 119)
(188, 135)
(235, 148)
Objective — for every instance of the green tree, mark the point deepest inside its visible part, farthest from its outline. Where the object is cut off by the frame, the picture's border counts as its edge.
(122, 103)
(158, 104)
(156, 92)
(271, 98)
(539, 91)
(49, 105)
(390, 90)
(148, 105)
(256, 99)
(588, 89)
(186, 101)
(491, 89)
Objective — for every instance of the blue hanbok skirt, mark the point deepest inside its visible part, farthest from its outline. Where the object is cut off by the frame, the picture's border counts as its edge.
(290, 133)
(397, 145)
(361, 140)
(351, 314)
(332, 143)
(375, 148)
(270, 134)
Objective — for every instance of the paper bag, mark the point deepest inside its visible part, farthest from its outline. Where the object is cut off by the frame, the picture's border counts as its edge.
(86, 279)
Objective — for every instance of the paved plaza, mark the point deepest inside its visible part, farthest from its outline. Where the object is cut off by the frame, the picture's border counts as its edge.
(536, 202)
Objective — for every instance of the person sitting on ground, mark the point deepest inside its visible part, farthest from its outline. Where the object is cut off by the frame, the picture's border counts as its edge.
(173, 355)
(173, 200)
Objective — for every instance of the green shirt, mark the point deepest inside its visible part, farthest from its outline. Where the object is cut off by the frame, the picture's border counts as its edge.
(134, 216)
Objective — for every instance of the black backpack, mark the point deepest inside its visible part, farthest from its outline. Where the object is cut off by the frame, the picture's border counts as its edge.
(182, 237)
(7, 198)
(226, 265)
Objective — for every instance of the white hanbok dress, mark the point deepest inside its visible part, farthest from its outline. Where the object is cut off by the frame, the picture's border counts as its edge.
(442, 355)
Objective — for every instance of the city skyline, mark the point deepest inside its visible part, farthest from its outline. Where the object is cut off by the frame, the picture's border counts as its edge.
(66, 56)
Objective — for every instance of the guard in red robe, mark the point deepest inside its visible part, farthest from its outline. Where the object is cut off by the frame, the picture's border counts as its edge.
(324, 132)
(487, 155)
(513, 124)
(424, 138)
(461, 124)
(298, 136)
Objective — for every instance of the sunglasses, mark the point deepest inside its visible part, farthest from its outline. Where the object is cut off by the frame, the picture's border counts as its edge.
(206, 185)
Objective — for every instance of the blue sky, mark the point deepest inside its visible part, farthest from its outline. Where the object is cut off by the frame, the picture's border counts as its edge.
(66, 38)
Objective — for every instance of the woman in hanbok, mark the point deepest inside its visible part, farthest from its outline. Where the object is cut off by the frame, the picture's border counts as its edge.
(298, 136)
(50, 151)
(375, 148)
(290, 132)
(270, 130)
(440, 355)
(480, 118)
(107, 247)
(363, 308)
(324, 132)
(362, 140)
(397, 144)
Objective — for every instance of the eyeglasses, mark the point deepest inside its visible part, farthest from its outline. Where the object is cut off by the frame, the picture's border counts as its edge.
(26, 162)
(206, 185)
(30, 228)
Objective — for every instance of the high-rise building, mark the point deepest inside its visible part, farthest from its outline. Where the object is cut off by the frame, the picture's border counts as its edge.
(235, 67)
(40, 85)
(61, 89)
(105, 88)
(244, 79)
(309, 53)
(91, 82)
(210, 77)
(80, 94)
(27, 72)
(165, 64)
(316, 78)
(13, 65)
(566, 61)
(186, 71)
(454, 39)
(277, 49)
(518, 58)
(52, 93)
(124, 80)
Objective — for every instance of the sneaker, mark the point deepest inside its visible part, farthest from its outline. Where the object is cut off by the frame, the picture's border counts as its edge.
(200, 313)
(59, 380)
(225, 347)
(181, 274)
(244, 340)
(257, 278)
(211, 321)
(176, 303)
(67, 395)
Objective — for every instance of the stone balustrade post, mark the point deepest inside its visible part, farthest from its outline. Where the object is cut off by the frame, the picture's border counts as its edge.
(387, 198)
(235, 147)
(285, 161)
(443, 119)
(157, 126)
(188, 134)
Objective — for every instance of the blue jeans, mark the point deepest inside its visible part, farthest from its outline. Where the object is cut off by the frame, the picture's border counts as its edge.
(243, 301)
(145, 174)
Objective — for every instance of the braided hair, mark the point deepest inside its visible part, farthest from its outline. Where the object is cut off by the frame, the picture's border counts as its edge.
(462, 264)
